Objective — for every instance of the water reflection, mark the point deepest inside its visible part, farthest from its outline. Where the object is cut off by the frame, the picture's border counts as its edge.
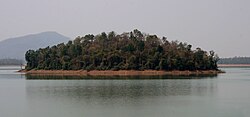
(65, 77)
(115, 96)
(115, 92)
(223, 96)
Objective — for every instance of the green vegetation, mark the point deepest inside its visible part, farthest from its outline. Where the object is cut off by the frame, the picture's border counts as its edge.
(234, 60)
(127, 51)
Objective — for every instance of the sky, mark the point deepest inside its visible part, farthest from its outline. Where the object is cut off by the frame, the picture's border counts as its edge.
(219, 25)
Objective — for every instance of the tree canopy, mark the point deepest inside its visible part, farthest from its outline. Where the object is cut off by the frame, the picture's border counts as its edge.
(127, 51)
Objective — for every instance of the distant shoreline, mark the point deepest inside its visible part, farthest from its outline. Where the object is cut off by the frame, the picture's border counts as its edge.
(233, 65)
(119, 73)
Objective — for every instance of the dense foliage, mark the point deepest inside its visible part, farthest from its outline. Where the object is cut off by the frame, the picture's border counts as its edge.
(235, 60)
(127, 51)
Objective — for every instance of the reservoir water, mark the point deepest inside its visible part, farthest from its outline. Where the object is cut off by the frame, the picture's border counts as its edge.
(224, 95)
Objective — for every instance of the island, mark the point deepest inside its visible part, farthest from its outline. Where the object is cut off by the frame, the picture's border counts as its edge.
(129, 53)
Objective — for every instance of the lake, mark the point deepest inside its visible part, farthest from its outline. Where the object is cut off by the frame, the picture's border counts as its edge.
(224, 95)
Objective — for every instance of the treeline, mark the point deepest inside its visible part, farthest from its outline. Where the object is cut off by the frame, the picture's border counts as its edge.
(126, 51)
(11, 62)
(234, 60)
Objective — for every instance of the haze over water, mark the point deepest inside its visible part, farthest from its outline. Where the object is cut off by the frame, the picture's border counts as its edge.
(225, 95)
(219, 25)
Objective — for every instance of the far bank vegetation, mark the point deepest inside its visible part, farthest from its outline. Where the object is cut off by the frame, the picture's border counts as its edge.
(10, 61)
(234, 60)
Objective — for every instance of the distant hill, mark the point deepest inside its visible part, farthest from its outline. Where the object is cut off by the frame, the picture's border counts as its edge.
(16, 47)
(234, 60)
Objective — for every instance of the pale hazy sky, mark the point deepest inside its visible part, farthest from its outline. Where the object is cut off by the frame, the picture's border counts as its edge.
(219, 25)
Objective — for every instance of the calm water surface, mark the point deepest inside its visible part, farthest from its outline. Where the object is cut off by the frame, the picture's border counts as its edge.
(225, 95)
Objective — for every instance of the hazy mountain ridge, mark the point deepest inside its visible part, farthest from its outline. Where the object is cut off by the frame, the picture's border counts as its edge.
(17, 47)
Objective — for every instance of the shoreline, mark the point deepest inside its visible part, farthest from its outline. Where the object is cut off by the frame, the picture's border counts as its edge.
(233, 65)
(119, 72)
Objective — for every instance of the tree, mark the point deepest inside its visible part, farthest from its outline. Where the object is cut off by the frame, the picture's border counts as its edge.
(126, 51)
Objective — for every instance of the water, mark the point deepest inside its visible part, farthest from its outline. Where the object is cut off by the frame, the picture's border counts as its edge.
(225, 95)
